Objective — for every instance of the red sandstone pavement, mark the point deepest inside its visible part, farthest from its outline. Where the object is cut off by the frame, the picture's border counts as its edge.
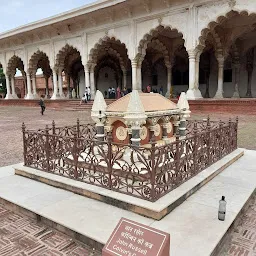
(243, 237)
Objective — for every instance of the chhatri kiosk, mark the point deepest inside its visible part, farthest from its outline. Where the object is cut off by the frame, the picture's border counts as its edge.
(138, 117)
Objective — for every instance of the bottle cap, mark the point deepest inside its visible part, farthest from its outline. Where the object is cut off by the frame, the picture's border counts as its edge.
(223, 198)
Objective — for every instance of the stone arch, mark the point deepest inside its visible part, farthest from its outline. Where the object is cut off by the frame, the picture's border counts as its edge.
(147, 38)
(13, 63)
(220, 20)
(106, 43)
(39, 60)
(159, 46)
(66, 51)
(111, 52)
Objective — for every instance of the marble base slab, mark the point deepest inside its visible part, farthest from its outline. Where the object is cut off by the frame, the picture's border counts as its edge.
(155, 210)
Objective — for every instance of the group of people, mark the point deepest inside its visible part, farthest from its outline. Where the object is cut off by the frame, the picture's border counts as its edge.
(117, 93)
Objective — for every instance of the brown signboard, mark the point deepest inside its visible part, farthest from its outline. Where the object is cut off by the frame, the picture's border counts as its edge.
(134, 239)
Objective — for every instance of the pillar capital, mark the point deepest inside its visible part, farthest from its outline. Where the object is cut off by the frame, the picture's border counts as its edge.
(192, 54)
(220, 60)
(134, 63)
(169, 66)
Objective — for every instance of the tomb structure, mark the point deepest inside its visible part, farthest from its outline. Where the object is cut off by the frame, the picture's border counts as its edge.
(138, 118)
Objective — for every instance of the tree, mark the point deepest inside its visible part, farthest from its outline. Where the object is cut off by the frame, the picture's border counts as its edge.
(2, 81)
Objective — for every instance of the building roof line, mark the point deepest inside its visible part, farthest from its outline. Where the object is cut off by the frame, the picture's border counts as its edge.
(100, 4)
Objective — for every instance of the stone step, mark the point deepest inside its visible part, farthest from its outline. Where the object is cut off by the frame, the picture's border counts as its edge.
(193, 225)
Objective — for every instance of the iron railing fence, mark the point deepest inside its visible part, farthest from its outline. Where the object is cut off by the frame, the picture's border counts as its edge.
(147, 173)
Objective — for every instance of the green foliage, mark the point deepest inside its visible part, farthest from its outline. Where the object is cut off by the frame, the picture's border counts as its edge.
(2, 81)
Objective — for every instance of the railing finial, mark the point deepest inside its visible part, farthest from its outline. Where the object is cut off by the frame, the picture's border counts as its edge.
(23, 127)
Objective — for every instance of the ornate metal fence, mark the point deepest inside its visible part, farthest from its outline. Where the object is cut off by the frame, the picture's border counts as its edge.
(147, 173)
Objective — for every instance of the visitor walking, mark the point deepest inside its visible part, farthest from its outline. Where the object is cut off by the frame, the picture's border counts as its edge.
(42, 104)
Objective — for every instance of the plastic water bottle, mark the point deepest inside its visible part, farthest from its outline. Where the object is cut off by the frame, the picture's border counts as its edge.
(222, 209)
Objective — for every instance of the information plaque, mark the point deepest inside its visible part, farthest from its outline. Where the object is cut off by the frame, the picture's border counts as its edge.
(134, 239)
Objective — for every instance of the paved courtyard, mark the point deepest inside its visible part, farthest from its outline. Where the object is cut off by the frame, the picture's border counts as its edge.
(243, 241)
(23, 236)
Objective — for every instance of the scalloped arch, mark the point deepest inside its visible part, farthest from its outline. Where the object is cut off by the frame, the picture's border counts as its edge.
(159, 46)
(102, 43)
(33, 61)
(143, 43)
(13, 63)
(62, 54)
(220, 20)
(112, 52)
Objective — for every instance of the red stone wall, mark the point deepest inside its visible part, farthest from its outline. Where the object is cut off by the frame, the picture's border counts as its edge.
(40, 86)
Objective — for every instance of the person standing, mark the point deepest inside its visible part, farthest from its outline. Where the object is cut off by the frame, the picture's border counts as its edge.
(118, 92)
(113, 91)
(88, 93)
(42, 104)
(73, 93)
(161, 91)
(148, 89)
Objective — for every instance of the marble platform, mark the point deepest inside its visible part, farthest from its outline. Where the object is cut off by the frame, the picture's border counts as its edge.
(156, 210)
(193, 225)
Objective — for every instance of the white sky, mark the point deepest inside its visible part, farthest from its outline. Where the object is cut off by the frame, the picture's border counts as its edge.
(15, 13)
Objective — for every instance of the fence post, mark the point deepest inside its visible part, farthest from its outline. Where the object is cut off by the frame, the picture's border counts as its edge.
(236, 130)
(24, 144)
(110, 159)
(230, 139)
(220, 140)
(208, 130)
(195, 147)
(78, 127)
(47, 148)
(153, 167)
(177, 155)
(75, 154)
(53, 127)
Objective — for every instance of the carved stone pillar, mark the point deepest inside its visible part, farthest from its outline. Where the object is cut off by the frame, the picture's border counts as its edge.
(169, 81)
(29, 94)
(87, 76)
(237, 74)
(14, 95)
(219, 93)
(197, 71)
(34, 86)
(47, 94)
(192, 70)
(193, 91)
(134, 75)
(249, 68)
(139, 78)
(55, 94)
(8, 95)
(60, 82)
(93, 87)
